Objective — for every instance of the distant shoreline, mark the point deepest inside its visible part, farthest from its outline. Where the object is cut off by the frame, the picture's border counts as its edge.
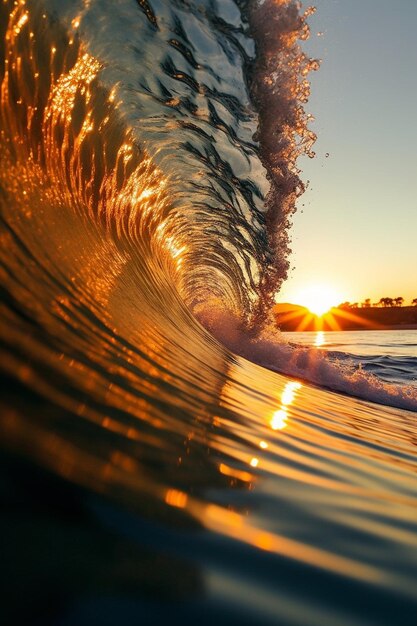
(353, 330)
(395, 327)
(294, 318)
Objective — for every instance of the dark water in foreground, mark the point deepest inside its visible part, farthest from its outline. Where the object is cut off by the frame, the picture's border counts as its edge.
(149, 473)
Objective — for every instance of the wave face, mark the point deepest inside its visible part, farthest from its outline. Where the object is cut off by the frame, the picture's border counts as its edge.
(147, 179)
(161, 146)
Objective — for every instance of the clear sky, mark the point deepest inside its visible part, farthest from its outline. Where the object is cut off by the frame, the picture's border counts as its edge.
(357, 229)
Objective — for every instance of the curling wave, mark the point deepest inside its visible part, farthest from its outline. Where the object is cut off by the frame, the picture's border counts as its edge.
(147, 180)
(163, 149)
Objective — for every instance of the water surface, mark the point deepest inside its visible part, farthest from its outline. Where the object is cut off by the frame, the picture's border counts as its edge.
(148, 471)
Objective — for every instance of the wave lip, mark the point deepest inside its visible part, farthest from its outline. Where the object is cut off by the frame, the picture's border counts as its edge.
(280, 89)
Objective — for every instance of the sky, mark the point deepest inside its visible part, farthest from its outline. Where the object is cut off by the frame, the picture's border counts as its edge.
(356, 226)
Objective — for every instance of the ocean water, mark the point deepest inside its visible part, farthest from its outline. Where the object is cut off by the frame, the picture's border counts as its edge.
(167, 454)
(389, 355)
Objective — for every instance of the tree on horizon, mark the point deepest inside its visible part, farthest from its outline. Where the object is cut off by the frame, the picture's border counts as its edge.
(414, 302)
(386, 302)
(399, 301)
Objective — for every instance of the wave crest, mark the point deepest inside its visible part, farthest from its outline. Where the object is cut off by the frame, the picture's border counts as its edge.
(165, 149)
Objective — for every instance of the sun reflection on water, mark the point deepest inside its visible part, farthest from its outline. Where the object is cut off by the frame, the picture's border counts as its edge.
(280, 417)
(320, 339)
(176, 498)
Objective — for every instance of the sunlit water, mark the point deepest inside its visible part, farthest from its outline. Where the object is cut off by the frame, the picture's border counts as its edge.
(149, 473)
(391, 355)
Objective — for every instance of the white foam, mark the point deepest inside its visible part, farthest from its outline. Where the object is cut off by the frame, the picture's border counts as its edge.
(270, 349)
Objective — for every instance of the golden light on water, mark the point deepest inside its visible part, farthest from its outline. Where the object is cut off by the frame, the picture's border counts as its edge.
(226, 470)
(155, 415)
(320, 339)
(280, 417)
(288, 394)
(22, 21)
(176, 498)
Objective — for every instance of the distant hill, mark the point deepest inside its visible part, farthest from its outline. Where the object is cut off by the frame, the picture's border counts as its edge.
(291, 317)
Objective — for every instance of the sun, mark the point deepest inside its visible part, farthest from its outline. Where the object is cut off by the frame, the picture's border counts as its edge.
(318, 298)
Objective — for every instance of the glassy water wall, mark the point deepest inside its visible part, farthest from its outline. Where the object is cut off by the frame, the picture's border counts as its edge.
(149, 472)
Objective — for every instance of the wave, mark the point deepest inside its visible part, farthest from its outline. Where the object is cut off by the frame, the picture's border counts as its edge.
(147, 181)
(161, 147)
(165, 147)
(148, 176)
(338, 371)
(399, 370)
